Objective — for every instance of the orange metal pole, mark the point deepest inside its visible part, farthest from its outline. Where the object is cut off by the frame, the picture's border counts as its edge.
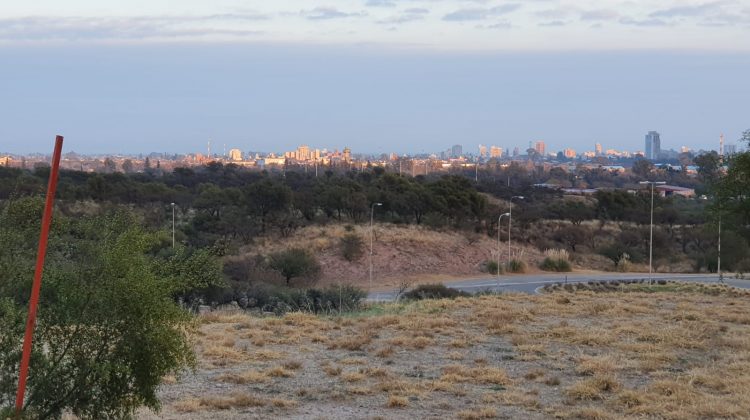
(31, 320)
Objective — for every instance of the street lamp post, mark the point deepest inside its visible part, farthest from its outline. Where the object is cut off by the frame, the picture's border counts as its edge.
(718, 257)
(651, 233)
(498, 242)
(510, 218)
(372, 217)
(172, 225)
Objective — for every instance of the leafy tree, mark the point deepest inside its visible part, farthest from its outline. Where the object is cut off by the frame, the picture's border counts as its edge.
(351, 247)
(107, 330)
(293, 263)
(642, 168)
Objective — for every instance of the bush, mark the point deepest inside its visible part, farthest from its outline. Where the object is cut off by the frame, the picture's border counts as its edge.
(492, 267)
(516, 266)
(108, 329)
(433, 291)
(556, 260)
(351, 247)
(279, 300)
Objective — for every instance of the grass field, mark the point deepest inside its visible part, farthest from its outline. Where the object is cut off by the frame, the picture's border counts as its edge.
(661, 352)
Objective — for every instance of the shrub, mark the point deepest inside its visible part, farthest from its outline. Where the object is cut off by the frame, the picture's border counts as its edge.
(556, 260)
(283, 299)
(351, 247)
(433, 291)
(492, 267)
(516, 266)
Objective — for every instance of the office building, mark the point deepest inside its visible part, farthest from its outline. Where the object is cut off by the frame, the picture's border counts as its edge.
(457, 151)
(653, 145)
(482, 151)
(540, 147)
(496, 152)
(598, 149)
(569, 153)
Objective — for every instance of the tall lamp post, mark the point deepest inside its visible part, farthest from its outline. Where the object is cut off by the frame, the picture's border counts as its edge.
(651, 234)
(172, 225)
(510, 218)
(498, 242)
(372, 217)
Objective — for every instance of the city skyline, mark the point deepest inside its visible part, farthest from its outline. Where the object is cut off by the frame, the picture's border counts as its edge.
(374, 75)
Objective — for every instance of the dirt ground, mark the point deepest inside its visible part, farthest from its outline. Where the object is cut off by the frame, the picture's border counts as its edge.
(643, 351)
(411, 253)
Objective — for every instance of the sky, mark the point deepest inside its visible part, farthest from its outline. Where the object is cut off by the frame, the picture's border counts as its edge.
(379, 76)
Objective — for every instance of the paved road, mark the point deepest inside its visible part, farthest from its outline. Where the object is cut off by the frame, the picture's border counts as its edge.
(531, 282)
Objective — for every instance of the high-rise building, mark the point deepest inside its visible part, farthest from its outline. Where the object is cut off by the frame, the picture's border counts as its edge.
(457, 151)
(347, 154)
(540, 147)
(496, 152)
(569, 153)
(516, 152)
(482, 151)
(598, 149)
(303, 153)
(653, 145)
(235, 155)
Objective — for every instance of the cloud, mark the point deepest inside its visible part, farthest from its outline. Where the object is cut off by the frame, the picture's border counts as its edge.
(642, 22)
(554, 23)
(600, 14)
(46, 28)
(689, 11)
(325, 13)
(380, 3)
(409, 15)
(481, 13)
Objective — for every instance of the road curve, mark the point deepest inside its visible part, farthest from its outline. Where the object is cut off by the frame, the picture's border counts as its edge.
(531, 282)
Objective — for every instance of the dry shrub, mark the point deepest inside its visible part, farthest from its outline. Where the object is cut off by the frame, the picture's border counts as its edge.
(395, 401)
(236, 400)
(332, 370)
(352, 377)
(591, 365)
(384, 352)
(478, 414)
(292, 364)
(250, 376)
(593, 388)
(279, 372)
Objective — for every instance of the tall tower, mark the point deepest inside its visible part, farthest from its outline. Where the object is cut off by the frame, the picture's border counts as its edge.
(209, 148)
(653, 145)
(721, 145)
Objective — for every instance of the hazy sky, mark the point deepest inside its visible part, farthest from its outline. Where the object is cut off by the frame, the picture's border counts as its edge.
(376, 75)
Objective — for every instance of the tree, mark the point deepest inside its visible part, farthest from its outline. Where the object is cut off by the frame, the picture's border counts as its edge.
(107, 330)
(642, 168)
(127, 166)
(293, 263)
(709, 166)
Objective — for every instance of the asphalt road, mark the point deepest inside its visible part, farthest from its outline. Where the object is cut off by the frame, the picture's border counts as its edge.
(531, 282)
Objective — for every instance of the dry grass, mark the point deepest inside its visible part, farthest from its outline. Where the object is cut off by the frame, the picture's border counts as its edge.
(674, 353)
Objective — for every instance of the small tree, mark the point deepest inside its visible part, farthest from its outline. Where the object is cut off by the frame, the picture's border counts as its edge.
(293, 263)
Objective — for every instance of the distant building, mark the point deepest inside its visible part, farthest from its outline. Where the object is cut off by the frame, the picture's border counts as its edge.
(482, 151)
(516, 152)
(347, 154)
(653, 145)
(569, 153)
(457, 151)
(496, 152)
(5, 160)
(540, 147)
(598, 149)
(235, 155)
(730, 149)
(669, 190)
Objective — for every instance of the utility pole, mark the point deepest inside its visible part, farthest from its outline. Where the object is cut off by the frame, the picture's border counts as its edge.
(651, 233)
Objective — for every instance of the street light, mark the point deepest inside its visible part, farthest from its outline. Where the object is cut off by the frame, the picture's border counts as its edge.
(372, 216)
(510, 218)
(172, 225)
(651, 234)
(498, 242)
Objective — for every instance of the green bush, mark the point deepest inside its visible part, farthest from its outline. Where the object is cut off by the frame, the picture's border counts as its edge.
(351, 247)
(516, 266)
(108, 329)
(492, 267)
(559, 265)
(295, 262)
(279, 300)
(433, 291)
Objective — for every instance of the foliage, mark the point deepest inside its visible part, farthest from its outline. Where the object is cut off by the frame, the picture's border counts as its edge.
(107, 330)
(492, 267)
(515, 266)
(333, 299)
(433, 291)
(556, 260)
(294, 263)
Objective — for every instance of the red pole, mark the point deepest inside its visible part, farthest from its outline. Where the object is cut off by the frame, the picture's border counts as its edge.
(31, 321)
